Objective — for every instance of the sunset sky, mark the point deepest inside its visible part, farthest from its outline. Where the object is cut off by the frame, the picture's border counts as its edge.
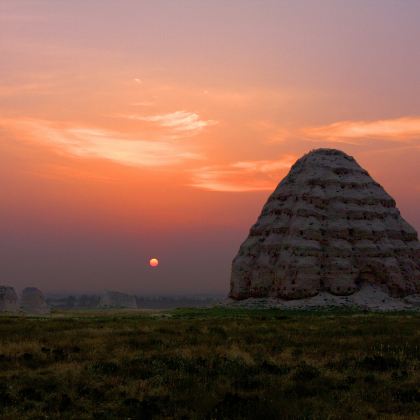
(137, 129)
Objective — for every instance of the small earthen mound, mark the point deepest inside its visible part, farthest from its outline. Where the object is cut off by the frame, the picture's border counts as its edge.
(8, 299)
(33, 302)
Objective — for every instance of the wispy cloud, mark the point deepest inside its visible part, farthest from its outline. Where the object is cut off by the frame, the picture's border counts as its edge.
(92, 142)
(181, 121)
(397, 129)
(254, 175)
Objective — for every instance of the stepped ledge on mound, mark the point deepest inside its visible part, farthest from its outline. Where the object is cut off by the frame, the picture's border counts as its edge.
(327, 228)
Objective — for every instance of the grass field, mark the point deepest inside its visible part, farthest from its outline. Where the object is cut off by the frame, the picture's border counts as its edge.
(210, 364)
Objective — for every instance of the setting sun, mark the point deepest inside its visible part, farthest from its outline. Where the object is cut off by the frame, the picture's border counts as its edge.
(154, 262)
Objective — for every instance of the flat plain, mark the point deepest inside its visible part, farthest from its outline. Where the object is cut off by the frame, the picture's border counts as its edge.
(210, 364)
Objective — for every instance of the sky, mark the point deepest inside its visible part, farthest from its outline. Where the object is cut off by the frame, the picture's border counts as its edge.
(138, 129)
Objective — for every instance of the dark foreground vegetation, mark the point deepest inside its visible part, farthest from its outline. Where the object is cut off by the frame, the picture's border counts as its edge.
(210, 364)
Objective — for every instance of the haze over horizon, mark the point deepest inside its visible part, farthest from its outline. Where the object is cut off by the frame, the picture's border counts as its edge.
(131, 130)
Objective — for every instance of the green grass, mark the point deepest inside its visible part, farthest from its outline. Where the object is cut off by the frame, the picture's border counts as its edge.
(210, 364)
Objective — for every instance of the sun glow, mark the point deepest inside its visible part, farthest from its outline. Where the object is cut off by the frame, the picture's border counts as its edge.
(154, 262)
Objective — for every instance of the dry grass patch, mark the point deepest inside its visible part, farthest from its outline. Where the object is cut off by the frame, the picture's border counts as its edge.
(215, 363)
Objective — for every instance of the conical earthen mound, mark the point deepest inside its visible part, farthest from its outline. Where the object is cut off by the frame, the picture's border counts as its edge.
(8, 299)
(330, 227)
(33, 301)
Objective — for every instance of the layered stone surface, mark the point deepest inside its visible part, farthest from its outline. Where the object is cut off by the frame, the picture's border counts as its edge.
(328, 226)
(33, 301)
(8, 299)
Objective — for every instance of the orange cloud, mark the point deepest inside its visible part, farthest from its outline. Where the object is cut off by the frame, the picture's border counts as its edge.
(256, 175)
(179, 124)
(98, 143)
(181, 121)
(397, 129)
